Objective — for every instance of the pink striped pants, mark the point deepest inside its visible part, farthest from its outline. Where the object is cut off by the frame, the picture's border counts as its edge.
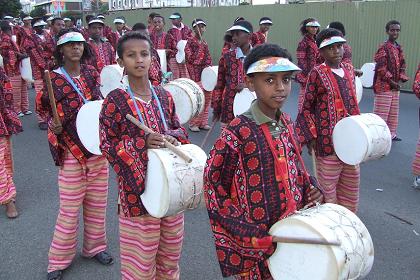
(7, 187)
(416, 161)
(178, 70)
(339, 181)
(151, 247)
(85, 186)
(20, 94)
(203, 119)
(387, 105)
(301, 97)
(38, 84)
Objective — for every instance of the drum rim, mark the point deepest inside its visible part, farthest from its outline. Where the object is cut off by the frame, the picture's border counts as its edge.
(190, 99)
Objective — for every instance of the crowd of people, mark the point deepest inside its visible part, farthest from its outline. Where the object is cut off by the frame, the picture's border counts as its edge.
(254, 174)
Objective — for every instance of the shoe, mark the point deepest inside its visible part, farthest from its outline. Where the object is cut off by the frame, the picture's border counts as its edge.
(206, 127)
(55, 275)
(396, 139)
(20, 114)
(195, 128)
(104, 258)
(43, 126)
(11, 211)
(416, 183)
(27, 113)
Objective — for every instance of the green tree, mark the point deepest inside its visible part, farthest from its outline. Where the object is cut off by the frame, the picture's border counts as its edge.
(10, 7)
(38, 12)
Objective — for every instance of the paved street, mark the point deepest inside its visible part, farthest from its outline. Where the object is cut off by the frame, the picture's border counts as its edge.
(24, 242)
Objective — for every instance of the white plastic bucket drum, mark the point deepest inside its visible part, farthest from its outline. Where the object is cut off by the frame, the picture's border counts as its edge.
(180, 55)
(111, 76)
(87, 124)
(361, 138)
(1, 61)
(368, 73)
(188, 98)
(162, 58)
(209, 77)
(330, 222)
(359, 89)
(172, 184)
(243, 101)
(26, 70)
(14, 38)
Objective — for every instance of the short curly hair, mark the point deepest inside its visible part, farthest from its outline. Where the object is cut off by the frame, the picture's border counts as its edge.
(264, 51)
(133, 35)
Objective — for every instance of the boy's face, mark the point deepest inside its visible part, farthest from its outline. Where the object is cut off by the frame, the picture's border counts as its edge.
(394, 32)
(72, 51)
(96, 30)
(57, 26)
(272, 89)
(240, 38)
(176, 22)
(119, 26)
(199, 29)
(313, 30)
(265, 27)
(158, 23)
(136, 57)
(68, 24)
(333, 54)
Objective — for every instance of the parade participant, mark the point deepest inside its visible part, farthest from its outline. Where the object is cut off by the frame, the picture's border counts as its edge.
(307, 54)
(12, 56)
(57, 24)
(231, 78)
(178, 32)
(330, 96)
(227, 46)
(416, 162)
(347, 49)
(260, 37)
(69, 22)
(121, 28)
(197, 57)
(389, 72)
(162, 40)
(24, 31)
(150, 247)
(258, 151)
(85, 31)
(150, 24)
(9, 125)
(48, 19)
(82, 177)
(104, 53)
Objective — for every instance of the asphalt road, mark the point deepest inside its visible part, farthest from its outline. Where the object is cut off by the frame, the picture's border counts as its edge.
(24, 242)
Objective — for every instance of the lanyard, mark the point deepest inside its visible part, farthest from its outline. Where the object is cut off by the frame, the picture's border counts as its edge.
(75, 87)
(157, 101)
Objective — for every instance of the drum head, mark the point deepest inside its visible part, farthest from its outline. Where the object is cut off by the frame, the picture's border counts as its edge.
(368, 73)
(111, 76)
(162, 58)
(209, 77)
(87, 124)
(183, 102)
(359, 89)
(243, 101)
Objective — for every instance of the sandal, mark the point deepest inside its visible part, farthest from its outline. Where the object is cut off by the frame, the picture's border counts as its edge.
(55, 275)
(11, 211)
(104, 258)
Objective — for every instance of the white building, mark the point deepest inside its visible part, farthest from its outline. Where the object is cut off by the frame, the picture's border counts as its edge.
(27, 5)
(138, 4)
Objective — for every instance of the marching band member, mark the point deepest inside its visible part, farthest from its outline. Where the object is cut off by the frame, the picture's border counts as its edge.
(260, 37)
(162, 40)
(9, 125)
(330, 96)
(82, 177)
(389, 71)
(307, 54)
(121, 28)
(416, 162)
(258, 151)
(57, 24)
(231, 78)
(197, 57)
(150, 247)
(150, 24)
(347, 49)
(69, 22)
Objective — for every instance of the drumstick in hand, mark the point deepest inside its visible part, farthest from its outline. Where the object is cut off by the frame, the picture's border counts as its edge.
(314, 163)
(302, 240)
(51, 97)
(170, 146)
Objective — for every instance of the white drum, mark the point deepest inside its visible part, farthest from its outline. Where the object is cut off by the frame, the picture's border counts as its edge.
(172, 184)
(188, 98)
(359, 89)
(243, 101)
(162, 58)
(26, 70)
(368, 73)
(14, 38)
(209, 77)
(180, 55)
(1, 61)
(111, 76)
(361, 138)
(330, 222)
(87, 124)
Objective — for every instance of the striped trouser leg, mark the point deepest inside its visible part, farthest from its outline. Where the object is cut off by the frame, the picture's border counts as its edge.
(17, 92)
(339, 181)
(173, 65)
(301, 97)
(393, 113)
(382, 106)
(7, 187)
(416, 161)
(38, 84)
(24, 102)
(203, 118)
(79, 186)
(150, 247)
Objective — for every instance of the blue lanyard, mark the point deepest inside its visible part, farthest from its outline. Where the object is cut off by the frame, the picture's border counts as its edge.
(157, 101)
(76, 88)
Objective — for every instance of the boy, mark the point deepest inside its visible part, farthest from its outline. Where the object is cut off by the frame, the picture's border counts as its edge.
(416, 162)
(260, 37)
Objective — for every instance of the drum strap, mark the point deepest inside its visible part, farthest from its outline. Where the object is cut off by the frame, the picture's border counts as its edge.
(157, 101)
(75, 87)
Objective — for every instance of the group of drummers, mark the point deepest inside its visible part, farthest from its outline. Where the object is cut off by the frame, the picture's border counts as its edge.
(254, 176)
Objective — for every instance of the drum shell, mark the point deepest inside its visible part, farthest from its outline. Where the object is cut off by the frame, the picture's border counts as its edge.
(243, 101)
(359, 89)
(163, 62)
(368, 70)
(1, 61)
(87, 125)
(111, 76)
(180, 55)
(330, 222)
(26, 70)
(172, 184)
(209, 77)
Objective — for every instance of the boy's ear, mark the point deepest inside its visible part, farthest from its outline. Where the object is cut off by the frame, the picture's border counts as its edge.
(120, 62)
(249, 81)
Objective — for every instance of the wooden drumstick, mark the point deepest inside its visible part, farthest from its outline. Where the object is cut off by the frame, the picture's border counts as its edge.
(170, 146)
(314, 163)
(207, 135)
(51, 97)
(303, 240)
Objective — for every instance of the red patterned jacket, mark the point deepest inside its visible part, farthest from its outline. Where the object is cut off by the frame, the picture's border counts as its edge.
(390, 65)
(34, 46)
(416, 84)
(104, 54)
(177, 35)
(9, 51)
(258, 38)
(68, 105)
(308, 57)
(9, 121)
(164, 41)
(155, 72)
(50, 45)
(328, 99)
(347, 54)
(197, 57)
(124, 144)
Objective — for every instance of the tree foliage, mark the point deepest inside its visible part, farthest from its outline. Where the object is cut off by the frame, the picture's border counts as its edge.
(38, 12)
(10, 7)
